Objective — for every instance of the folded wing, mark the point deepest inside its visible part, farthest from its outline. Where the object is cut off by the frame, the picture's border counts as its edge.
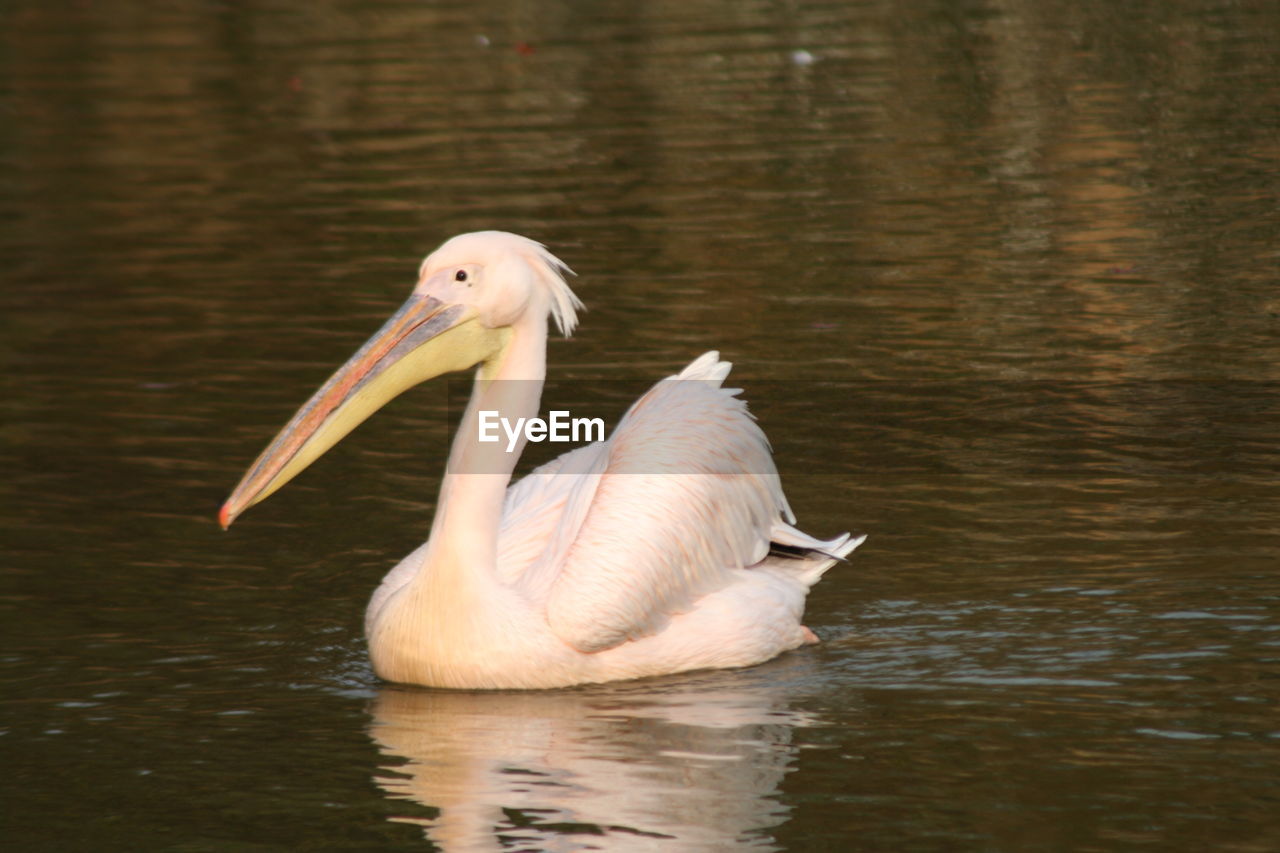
(681, 496)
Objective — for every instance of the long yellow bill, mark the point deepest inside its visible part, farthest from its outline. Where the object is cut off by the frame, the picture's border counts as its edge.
(424, 339)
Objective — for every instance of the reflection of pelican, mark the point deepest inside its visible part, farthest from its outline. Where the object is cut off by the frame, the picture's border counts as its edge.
(645, 554)
(689, 764)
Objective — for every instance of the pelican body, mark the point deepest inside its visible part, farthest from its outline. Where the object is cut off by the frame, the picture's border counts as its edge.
(667, 547)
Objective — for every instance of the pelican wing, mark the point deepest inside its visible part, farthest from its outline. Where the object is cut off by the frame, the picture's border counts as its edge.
(682, 495)
(543, 513)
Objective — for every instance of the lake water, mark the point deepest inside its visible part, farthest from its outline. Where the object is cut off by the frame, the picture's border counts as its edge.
(999, 279)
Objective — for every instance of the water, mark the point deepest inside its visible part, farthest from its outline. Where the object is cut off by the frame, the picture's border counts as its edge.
(999, 280)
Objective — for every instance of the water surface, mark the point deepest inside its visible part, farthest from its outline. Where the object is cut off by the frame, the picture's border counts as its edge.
(998, 278)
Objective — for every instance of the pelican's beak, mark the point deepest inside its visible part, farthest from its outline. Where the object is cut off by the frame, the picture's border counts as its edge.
(424, 339)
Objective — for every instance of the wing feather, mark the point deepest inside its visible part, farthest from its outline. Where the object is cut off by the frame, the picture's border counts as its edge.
(543, 513)
(684, 495)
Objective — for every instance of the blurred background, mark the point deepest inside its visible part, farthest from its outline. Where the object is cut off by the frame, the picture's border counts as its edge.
(999, 279)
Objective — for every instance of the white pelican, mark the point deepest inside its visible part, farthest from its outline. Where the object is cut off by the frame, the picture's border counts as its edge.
(667, 547)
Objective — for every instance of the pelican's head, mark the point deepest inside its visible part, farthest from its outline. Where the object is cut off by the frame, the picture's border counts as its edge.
(503, 277)
(470, 293)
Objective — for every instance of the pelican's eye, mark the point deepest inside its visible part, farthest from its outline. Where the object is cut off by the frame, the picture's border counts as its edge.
(460, 275)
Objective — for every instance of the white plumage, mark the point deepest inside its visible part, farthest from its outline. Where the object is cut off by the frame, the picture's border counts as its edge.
(646, 553)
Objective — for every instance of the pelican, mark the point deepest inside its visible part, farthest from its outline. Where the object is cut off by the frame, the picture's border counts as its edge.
(667, 547)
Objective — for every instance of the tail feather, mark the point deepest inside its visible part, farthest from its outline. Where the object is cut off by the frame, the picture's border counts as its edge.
(806, 555)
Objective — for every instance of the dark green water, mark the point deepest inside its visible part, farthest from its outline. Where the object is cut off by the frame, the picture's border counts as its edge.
(1000, 280)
